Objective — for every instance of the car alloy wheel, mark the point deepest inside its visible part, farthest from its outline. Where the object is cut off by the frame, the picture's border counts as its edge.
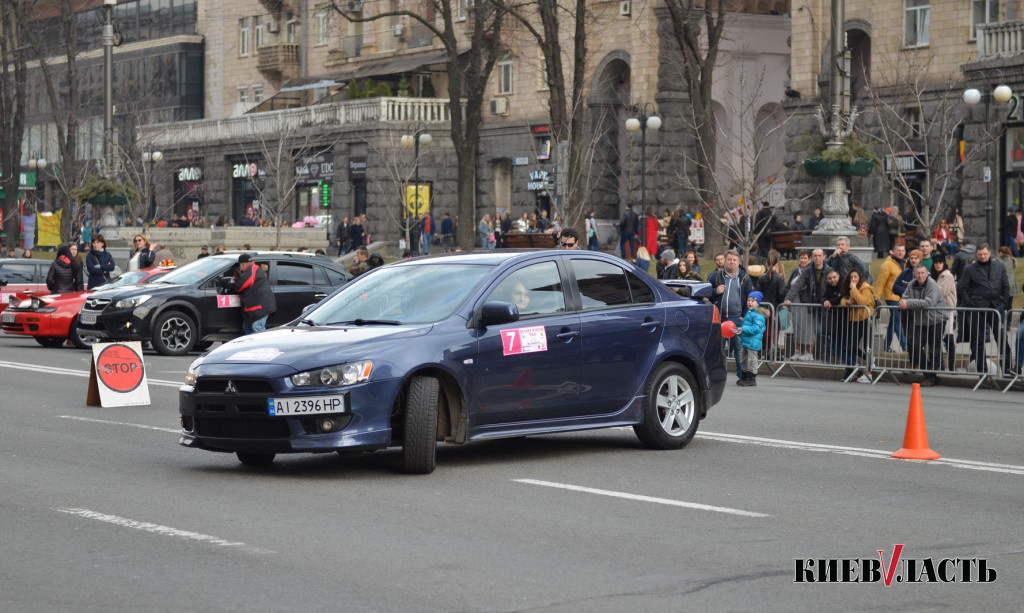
(671, 405)
(174, 334)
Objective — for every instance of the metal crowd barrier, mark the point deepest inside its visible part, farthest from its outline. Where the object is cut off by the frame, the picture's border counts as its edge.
(851, 339)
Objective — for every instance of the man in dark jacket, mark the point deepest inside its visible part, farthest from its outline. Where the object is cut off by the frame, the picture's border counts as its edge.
(731, 287)
(99, 263)
(808, 288)
(842, 261)
(628, 226)
(258, 301)
(983, 285)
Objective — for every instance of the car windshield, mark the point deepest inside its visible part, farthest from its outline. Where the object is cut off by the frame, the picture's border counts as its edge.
(195, 271)
(420, 294)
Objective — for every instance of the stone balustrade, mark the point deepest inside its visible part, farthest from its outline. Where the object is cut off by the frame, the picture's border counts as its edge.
(1002, 39)
(185, 243)
(245, 127)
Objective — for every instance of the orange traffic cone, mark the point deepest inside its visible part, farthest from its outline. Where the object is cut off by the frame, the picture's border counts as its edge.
(915, 439)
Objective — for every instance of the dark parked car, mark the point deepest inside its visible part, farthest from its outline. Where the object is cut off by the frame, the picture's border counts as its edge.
(186, 309)
(463, 347)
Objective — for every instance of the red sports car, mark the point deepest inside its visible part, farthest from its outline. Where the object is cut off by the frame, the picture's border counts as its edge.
(52, 319)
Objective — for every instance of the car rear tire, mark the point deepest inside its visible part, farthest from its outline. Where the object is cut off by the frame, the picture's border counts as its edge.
(672, 401)
(255, 459)
(78, 338)
(419, 446)
(50, 342)
(174, 333)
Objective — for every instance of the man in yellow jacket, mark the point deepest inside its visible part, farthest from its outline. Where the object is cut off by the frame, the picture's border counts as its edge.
(887, 275)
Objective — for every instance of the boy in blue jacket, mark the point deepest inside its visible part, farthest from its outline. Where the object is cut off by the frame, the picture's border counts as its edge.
(751, 332)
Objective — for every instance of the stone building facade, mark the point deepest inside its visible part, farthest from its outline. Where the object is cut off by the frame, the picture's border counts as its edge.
(953, 47)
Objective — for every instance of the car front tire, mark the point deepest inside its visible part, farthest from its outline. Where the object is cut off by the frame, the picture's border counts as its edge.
(419, 446)
(77, 338)
(672, 401)
(255, 459)
(174, 333)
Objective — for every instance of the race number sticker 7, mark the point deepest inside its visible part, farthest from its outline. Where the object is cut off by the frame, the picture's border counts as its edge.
(524, 340)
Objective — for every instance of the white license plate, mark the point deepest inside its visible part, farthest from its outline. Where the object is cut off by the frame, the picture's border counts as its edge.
(87, 319)
(306, 405)
(7, 317)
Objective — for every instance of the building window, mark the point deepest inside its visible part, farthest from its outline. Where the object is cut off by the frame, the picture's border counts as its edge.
(544, 74)
(913, 122)
(291, 27)
(257, 94)
(257, 28)
(463, 10)
(243, 95)
(243, 37)
(982, 12)
(323, 25)
(505, 74)
(917, 14)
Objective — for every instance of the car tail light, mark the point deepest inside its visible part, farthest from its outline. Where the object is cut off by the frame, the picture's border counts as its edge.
(716, 317)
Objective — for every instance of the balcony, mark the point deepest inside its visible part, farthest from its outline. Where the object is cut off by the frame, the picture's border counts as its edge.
(1003, 39)
(272, 124)
(279, 62)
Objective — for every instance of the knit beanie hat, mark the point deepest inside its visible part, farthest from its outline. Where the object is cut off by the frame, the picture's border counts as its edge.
(758, 296)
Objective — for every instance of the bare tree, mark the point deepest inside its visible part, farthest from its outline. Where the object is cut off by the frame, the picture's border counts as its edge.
(469, 69)
(65, 115)
(14, 20)
(749, 158)
(566, 80)
(697, 27)
(920, 117)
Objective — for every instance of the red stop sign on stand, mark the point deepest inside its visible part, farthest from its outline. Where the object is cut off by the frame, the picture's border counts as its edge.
(120, 368)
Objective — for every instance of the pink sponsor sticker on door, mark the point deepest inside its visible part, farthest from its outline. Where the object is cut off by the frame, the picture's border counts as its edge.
(524, 340)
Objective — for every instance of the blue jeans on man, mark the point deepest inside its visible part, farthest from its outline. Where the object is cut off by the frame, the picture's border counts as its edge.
(895, 325)
(257, 326)
(425, 243)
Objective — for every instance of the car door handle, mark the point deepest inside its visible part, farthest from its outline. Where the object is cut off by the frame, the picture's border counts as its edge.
(563, 336)
(650, 324)
(319, 296)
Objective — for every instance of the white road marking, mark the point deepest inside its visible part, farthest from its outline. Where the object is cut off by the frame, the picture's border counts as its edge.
(121, 423)
(158, 529)
(639, 498)
(54, 370)
(884, 454)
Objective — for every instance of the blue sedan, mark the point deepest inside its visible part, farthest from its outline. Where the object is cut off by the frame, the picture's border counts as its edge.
(464, 347)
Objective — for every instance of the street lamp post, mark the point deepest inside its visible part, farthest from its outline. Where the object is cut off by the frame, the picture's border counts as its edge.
(151, 158)
(413, 141)
(972, 96)
(38, 165)
(646, 119)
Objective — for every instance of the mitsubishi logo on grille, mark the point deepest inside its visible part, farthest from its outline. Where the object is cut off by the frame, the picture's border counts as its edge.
(231, 389)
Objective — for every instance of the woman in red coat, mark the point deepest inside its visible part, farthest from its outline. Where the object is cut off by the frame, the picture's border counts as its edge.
(650, 233)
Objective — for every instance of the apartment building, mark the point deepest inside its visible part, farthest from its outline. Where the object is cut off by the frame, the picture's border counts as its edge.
(917, 57)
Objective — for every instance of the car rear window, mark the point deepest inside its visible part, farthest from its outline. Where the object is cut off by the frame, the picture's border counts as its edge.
(601, 284)
(294, 273)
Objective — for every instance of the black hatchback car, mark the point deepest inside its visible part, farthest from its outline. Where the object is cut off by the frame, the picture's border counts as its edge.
(185, 310)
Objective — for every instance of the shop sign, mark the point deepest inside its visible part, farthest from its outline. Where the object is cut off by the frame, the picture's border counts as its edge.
(357, 168)
(244, 170)
(907, 162)
(190, 173)
(313, 168)
(538, 181)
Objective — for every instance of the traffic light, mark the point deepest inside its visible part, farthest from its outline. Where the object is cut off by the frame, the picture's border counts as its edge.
(325, 195)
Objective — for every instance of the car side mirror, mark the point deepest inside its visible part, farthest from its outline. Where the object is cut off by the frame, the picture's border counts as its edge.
(308, 307)
(3, 282)
(497, 313)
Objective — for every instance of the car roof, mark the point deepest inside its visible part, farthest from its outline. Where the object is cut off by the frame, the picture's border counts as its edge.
(234, 253)
(39, 262)
(499, 256)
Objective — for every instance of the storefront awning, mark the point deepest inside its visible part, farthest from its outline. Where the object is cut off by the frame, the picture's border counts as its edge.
(392, 66)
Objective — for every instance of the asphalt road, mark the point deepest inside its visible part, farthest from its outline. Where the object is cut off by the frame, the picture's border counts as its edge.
(103, 511)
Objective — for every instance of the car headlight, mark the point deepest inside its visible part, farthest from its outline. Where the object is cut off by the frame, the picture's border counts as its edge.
(190, 376)
(341, 374)
(130, 303)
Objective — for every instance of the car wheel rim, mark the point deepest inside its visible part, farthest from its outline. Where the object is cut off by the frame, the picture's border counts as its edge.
(175, 334)
(675, 405)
